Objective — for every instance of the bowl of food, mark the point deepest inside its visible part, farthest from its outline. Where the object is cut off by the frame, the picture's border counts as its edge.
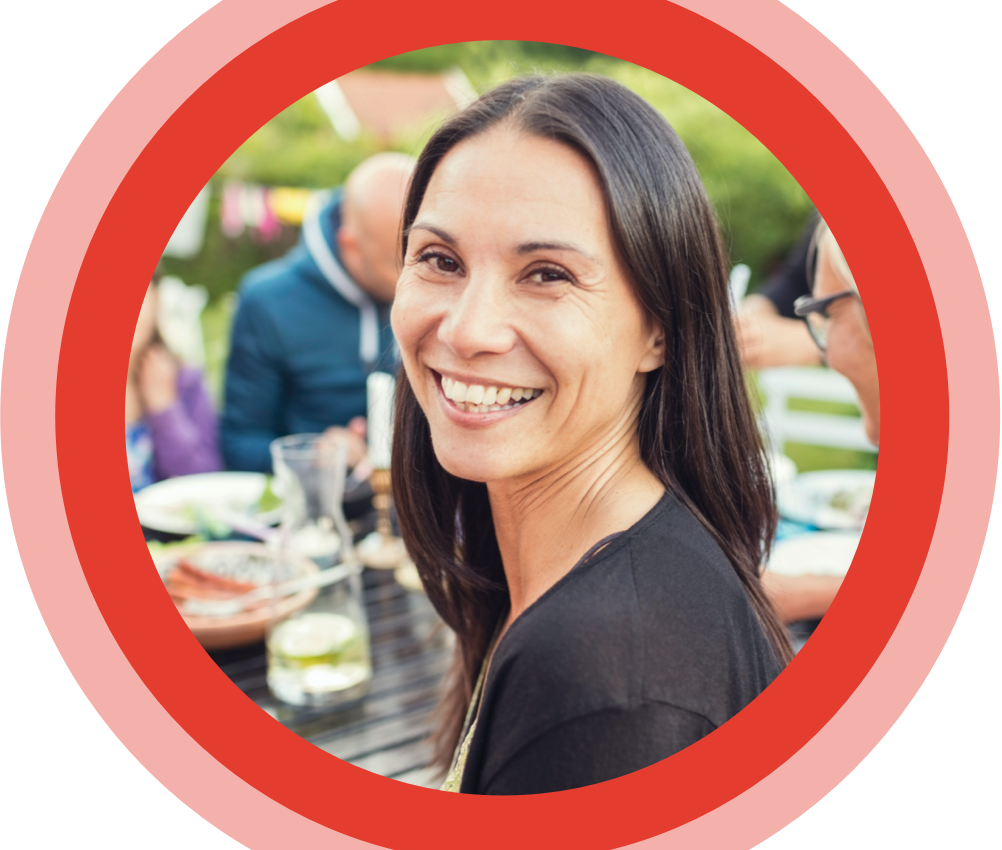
(197, 573)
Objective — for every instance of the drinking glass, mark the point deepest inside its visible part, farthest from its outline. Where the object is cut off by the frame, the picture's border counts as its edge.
(319, 656)
(310, 474)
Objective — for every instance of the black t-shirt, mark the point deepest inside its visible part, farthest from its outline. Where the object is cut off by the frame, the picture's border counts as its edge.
(794, 278)
(635, 654)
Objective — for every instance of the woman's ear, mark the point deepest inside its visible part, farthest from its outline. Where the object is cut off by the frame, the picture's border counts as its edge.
(654, 357)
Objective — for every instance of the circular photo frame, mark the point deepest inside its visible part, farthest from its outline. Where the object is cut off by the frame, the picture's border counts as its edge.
(163, 137)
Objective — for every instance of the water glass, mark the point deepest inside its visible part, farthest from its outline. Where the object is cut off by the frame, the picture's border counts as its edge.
(319, 656)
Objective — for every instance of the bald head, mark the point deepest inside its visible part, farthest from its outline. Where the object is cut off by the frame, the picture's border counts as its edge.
(371, 213)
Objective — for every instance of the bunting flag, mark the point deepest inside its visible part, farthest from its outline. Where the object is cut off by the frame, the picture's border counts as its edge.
(263, 209)
(231, 212)
(289, 205)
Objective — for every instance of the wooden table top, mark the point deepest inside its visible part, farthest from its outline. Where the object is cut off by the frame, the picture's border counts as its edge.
(386, 731)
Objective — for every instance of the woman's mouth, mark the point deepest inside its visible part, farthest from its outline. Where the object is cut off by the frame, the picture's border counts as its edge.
(477, 398)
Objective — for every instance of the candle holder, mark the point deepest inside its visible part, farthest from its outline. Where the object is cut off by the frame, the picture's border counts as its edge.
(382, 550)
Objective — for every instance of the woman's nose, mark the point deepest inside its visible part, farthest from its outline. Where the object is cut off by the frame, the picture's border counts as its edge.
(477, 322)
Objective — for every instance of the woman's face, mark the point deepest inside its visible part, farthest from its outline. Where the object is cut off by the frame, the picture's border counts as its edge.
(518, 328)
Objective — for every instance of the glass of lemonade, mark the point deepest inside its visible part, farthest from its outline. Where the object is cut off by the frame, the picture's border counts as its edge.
(319, 656)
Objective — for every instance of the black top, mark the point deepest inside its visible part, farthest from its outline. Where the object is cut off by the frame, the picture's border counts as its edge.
(632, 656)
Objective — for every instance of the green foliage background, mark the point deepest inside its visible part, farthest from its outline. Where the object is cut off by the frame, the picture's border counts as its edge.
(760, 206)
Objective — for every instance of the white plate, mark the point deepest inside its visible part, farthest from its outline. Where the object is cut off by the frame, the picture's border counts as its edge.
(164, 506)
(819, 553)
(836, 499)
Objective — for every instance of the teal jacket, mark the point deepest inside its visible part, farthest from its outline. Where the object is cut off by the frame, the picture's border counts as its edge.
(304, 339)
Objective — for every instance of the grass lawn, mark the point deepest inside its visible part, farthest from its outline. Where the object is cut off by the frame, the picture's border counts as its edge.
(809, 458)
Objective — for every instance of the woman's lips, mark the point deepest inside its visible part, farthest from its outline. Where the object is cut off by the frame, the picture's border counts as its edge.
(483, 402)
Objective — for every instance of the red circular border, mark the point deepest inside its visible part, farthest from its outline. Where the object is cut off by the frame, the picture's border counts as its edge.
(136, 225)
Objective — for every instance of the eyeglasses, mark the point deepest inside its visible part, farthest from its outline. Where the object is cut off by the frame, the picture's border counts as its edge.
(815, 312)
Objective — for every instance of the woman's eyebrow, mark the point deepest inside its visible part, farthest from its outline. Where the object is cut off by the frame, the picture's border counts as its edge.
(522, 249)
(441, 234)
(532, 247)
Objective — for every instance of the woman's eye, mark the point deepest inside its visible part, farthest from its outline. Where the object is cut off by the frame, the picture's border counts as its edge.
(548, 276)
(440, 262)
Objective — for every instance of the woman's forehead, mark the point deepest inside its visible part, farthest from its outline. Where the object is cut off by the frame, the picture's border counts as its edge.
(527, 187)
(516, 157)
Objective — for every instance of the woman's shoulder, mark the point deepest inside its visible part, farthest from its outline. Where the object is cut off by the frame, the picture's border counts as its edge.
(666, 563)
(659, 614)
(704, 647)
(679, 568)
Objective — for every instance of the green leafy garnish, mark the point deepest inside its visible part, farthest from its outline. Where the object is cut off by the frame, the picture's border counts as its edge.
(268, 501)
(207, 523)
(156, 547)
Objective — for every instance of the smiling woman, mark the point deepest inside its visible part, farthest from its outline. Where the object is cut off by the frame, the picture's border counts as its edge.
(577, 470)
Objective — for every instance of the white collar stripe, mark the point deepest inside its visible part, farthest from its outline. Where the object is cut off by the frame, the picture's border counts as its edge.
(338, 278)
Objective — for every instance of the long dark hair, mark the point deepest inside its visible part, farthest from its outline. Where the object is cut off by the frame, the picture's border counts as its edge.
(696, 429)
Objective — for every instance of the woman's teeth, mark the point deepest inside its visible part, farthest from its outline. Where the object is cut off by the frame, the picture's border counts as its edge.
(479, 399)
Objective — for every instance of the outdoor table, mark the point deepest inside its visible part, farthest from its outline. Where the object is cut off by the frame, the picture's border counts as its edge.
(387, 731)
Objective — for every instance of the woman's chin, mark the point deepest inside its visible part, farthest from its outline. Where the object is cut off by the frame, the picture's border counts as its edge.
(468, 471)
(472, 465)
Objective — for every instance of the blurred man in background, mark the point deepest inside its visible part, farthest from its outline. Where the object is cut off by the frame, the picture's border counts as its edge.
(840, 332)
(837, 323)
(311, 326)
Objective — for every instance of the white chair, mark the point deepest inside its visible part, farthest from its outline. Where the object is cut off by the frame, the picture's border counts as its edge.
(782, 425)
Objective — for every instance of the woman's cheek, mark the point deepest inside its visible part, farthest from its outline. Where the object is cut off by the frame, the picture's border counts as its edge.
(403, 314)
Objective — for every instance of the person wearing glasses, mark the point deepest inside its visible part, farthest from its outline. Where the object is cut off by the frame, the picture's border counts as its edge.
(838, 325)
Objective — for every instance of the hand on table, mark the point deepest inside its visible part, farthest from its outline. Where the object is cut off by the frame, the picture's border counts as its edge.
(157, 379)
(804, 597)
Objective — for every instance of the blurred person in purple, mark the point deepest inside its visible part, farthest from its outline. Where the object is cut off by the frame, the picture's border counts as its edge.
(170, 423)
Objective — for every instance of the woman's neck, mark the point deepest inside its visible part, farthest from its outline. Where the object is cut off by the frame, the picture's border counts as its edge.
(544, 525)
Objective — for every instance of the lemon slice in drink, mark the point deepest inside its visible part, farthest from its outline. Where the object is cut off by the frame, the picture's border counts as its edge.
(313, 638)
